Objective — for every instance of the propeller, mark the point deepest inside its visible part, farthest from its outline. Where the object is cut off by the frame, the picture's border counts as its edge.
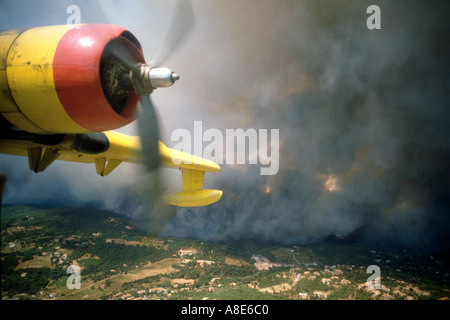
(145, 78)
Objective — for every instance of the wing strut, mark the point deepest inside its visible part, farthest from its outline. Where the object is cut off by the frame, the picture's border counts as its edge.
(40, 158)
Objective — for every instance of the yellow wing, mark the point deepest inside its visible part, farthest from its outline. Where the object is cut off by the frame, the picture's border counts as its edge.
(107, 151)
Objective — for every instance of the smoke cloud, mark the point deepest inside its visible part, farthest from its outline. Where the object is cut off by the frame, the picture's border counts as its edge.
(363, 119)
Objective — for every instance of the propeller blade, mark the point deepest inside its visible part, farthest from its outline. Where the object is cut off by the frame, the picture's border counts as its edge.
(155, 214)
(181, 25)
(149, 133)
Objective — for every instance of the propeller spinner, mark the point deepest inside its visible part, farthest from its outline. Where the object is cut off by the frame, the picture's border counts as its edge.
(145, 78)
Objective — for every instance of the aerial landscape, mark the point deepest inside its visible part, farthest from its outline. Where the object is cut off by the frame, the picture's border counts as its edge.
(119, 262)
(224, 157)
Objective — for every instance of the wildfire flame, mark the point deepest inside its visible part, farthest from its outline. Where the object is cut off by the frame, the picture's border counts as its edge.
(330, 182)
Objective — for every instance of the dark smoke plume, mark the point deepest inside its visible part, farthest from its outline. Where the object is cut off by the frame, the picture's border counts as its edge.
(363, 118)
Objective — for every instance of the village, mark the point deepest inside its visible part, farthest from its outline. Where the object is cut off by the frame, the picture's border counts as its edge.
(330, 278)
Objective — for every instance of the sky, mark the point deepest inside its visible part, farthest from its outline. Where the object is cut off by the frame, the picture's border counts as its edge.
(363, 119)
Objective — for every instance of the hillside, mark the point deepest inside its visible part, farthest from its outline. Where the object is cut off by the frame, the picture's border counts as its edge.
(117, 261)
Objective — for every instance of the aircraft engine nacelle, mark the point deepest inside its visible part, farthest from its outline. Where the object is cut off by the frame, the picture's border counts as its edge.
(65, 79)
